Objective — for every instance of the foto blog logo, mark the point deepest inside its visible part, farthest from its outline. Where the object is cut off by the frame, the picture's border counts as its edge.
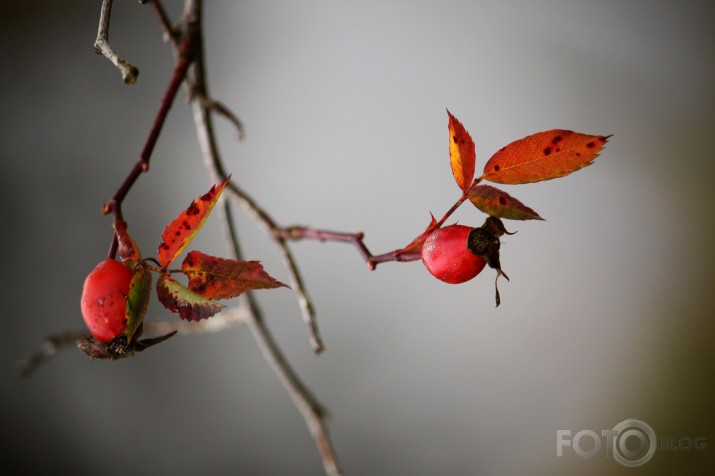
(631, 442)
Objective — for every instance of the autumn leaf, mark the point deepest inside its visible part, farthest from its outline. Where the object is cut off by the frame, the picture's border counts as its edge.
(543, 156)
(462, 154)
(497, 203)
(415, 245)
(179, 233)
(184, 302)
(137, 300)
(219, 278)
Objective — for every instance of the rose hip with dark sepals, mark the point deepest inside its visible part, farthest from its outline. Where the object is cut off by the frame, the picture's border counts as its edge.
(447, 258)
(104, 297)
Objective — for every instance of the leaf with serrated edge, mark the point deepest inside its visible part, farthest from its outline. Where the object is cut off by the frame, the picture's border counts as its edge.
(497, 203)
(220, 278)
(179, 233)
(543, 156)
(184, 302)
(137, 300)
(462, 154)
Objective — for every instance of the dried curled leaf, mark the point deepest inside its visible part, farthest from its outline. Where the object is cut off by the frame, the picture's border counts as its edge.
(220, 278)
(462, 154)
(543, 156)
(179, 233)
(497, 203)
(127, 249)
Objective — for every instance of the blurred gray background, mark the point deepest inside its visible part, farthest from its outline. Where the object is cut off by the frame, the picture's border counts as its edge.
(608, 315)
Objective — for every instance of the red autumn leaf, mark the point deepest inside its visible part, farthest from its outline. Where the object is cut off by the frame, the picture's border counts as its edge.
(219, 278)
(415, 245)
(462, 154)
(497, 203)
(184, 227)
(543, 156)
(184, 302)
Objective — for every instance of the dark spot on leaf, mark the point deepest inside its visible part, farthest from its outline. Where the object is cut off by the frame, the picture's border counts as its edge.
(547, 151)
(496, 168)
(578, 154)
(502, 201)
(177, 233)
(193, 209)
(591, 145)
(186, 225)
(556, 140)
(206, 197)
(164, 246)
(558, 149)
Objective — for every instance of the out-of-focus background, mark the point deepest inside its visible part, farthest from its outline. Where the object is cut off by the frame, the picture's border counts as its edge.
(609, 311)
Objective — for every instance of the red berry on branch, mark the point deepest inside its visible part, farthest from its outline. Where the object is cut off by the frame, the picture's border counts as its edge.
(104, 299)
(447, 257)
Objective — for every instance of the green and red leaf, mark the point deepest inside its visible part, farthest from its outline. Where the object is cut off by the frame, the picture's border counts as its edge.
(220, 278)
(184, 302)
(543, 156)
(462, 153)
(179, 233)
(137, 300)
(497, 203)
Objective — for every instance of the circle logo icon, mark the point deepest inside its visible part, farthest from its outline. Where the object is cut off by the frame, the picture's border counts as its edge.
(635, 442)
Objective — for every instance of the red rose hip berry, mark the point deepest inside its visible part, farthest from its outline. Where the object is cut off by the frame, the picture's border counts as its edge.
(446, 256)
(104, 299)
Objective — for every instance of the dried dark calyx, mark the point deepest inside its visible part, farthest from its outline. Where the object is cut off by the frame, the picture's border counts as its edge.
(484, 241)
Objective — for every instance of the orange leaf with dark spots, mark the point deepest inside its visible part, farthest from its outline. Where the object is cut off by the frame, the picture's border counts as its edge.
(462, 154)
(497, 203)
(543, 156)
(219, 278)
(179, 233)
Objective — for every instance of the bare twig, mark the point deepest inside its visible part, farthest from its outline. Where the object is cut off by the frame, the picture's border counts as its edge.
(298, 233)
(102, 46)
(114, 206)
(52, 345)
(218, 173)
(170, 33)
(221, 109)
(313, 413)
(356, 239)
